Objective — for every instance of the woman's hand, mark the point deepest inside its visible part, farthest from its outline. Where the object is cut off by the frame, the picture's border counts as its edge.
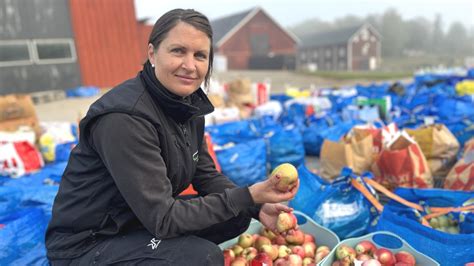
(266, 192)
(269, 212)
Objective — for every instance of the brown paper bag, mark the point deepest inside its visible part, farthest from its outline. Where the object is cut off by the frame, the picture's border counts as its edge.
(355, 153)
(17, 110)
(461, 176)
(439, 146)
(402, 164)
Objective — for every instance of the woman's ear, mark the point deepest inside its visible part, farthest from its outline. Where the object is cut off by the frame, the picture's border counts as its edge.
(151, 53)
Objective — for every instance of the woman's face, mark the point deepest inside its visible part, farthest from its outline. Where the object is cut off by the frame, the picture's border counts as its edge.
(182, 59)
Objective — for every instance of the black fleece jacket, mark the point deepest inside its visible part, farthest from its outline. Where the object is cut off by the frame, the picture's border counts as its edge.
(132, 161)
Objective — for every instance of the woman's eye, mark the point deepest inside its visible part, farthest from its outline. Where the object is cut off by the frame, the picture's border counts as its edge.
(201, 56)
(177, 50)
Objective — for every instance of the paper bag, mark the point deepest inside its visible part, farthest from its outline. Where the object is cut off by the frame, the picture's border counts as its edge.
(439, 146)
(402, 164)
(355, 153)
(17, 110)
(461, 176)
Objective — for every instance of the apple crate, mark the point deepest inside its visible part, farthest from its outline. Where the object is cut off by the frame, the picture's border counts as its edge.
(383, 239)
(321, 235)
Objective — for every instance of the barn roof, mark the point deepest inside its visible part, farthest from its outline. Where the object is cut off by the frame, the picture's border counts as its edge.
(223, 28)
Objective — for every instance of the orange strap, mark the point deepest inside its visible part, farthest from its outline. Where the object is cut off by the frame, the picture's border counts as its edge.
(392, 195)
(446, 210)
(367, 194)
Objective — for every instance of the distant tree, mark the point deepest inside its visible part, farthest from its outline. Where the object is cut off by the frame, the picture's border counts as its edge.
(437, 35)
(416, 34)
(347, 21)
(311, 26)
(393, 33)
(457, 39)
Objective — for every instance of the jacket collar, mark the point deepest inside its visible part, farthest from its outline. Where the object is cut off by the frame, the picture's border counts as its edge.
(179, 108)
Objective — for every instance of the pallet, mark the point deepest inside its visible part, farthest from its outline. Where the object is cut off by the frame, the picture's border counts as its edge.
(47, 96)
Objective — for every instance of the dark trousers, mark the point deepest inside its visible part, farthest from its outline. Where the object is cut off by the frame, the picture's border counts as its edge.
(142, 248)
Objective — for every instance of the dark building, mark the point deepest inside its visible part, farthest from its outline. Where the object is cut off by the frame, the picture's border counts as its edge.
(254, 40)
(346, 49)
(37, 48)
(61, 44)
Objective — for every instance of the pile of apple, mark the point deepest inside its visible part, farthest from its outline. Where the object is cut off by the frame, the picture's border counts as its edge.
(289, 246)
(365, 253)
(445, 224)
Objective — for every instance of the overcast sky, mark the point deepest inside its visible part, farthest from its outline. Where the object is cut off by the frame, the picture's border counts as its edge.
(291, 12)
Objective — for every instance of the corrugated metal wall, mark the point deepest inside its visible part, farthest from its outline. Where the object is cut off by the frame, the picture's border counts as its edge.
(107, 40)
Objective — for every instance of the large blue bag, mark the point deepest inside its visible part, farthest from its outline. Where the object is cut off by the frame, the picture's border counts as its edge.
(445, 248)
(286, 146)
(244, 163)
(310, 185)
(340, 207)
(312, 133)
(22, 237)
(236, 132)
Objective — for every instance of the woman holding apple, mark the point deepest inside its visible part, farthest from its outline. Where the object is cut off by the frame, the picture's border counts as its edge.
(141, 145)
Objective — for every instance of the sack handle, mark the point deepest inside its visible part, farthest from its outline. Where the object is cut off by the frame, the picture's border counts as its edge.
(436, 211)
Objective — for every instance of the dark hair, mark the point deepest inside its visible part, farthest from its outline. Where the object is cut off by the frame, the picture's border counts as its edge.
(194, 18)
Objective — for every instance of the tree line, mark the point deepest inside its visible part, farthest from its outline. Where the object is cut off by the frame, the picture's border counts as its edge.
(414, 37)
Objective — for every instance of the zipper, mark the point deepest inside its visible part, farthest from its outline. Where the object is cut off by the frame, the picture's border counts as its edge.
(183, 128)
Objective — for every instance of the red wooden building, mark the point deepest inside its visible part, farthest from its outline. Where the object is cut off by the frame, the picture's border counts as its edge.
(254, 40)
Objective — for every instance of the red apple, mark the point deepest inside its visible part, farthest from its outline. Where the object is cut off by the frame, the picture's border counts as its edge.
(298, 250)
(270, 250)
(371, 262)
(363, 257)
(320, 255)
(309, 249)
(346, 253)
(385, 256)
(295, 260)
(237, 250)
(308, 261)
(283, 251)
(279, 240)
(261, 259)
(261, 240)
(249, 253)
(286, 175)
(308, 238)
(245, 240)
(229, 256)
(239, 261)
(280, 262)
(405, 257)
(365, 247)
(267, 233)
(286, 221)
(295, 237)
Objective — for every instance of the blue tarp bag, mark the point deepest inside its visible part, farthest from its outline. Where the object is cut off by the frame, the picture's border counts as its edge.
(22, 237)
(84, 91)
(310, 185)
(341, 208)
(237, 131)
(372, 90)
(459, 107)
(312, 133)
(286, 146)
(462, 129)
(245, 162)
(445, 248)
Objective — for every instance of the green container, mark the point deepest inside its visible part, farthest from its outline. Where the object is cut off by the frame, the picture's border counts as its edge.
(321, 235)
(383, 239)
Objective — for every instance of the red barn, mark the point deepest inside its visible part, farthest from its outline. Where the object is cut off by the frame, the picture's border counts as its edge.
(254, 40)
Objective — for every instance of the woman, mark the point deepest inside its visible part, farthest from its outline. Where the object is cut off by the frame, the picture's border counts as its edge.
(141, 145)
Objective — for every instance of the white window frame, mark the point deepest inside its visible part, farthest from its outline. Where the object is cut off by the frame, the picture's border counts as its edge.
(39, 61)
(18, 62)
